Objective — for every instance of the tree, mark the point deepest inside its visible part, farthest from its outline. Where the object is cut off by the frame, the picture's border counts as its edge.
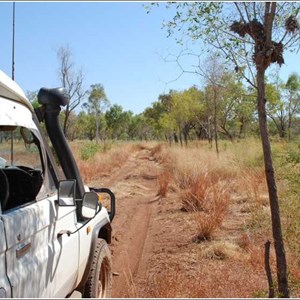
(292, 87)
(72, 81)
(118, 121)
(96, 104)
(85, 126)
(283, 102)
(154, 113)
(213, 72)
(186, 106)
(245, 33)
(140, 128)
(276, 108)
(236, 106)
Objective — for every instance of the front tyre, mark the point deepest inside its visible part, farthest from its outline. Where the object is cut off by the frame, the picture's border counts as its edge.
(99, 282)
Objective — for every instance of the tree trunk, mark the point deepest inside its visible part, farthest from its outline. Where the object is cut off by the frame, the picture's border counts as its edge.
(272, 189)
(209, 133)
(65, 126)
(289, 126)
(216, 122)
(185, 135)
(280, 127)
(226, 132)
(97, 129)
(241, 127)
(180, 137)
(175, 137)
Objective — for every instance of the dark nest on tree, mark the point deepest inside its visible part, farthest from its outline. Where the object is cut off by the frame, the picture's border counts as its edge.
(291, 24)
(254, 28)
(263, 55)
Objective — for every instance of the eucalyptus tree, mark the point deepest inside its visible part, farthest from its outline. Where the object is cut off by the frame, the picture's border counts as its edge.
(96, 104)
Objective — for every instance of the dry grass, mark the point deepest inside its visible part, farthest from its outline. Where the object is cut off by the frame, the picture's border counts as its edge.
(23, 155)
(231, 280)
(254, 182)
(208, 222)
(203, 189)
(257, 258)
(205, 193)
(103, 163)
(163, 182)
(221, 250)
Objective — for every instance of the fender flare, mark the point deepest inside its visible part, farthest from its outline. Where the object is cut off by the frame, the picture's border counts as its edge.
(99, 231)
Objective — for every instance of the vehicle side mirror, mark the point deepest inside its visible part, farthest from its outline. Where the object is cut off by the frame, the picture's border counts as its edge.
(66, 192)
(90, 205)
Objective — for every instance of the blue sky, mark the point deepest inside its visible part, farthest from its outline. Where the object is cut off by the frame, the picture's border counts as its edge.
(116, 43)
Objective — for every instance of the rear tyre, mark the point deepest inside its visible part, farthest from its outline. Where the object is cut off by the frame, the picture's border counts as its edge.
(99, 282)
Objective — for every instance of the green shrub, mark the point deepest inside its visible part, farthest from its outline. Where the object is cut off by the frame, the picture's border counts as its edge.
(89, 150)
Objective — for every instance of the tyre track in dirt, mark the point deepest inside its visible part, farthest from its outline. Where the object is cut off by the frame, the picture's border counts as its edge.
(134, 185)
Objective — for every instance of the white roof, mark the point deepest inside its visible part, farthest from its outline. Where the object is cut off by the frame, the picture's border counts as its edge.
(10, 89)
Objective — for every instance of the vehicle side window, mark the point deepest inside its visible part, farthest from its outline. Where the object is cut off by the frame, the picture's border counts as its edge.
(22, 165)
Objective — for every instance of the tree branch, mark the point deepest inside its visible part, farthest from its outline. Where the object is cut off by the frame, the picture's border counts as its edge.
(240, 12)
(246, 10)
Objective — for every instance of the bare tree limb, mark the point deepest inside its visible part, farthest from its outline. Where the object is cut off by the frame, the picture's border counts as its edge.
(240, 12)
(72, 81)
(246, 10)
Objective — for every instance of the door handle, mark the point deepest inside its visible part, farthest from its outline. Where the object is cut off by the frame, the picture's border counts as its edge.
(23, 249)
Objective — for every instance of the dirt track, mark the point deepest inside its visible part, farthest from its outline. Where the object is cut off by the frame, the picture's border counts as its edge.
(135, 188)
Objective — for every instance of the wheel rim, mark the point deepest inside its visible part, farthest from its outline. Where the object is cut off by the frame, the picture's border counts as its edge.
(102, 281)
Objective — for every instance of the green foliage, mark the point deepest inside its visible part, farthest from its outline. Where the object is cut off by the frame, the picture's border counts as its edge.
(293, 83)
(32, 97)
(118, 122)
(89, 150)
(97, 103)
(293, 156)
(97, 100)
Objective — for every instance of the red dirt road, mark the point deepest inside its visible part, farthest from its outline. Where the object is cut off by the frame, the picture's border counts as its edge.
(135, 188)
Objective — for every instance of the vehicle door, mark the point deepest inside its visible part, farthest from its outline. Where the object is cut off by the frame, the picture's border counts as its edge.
(5, 291)
(38, 263)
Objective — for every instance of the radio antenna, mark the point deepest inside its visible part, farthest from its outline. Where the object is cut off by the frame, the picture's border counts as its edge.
(13, 45)
(13, 78)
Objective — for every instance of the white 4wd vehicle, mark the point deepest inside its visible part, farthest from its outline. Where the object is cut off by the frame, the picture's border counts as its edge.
(54, 230)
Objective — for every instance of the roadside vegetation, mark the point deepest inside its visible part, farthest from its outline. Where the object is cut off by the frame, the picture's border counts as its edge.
(224, 201)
